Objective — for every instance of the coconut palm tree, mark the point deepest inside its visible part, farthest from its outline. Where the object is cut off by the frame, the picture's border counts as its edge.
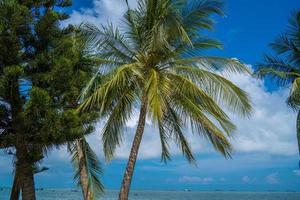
(157, 62)
(87, 167)
(285, 67)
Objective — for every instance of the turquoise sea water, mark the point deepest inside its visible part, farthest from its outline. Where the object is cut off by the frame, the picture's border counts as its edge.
(49, 194)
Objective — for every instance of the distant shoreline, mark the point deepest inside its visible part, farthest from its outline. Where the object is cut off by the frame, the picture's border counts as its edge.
(171, 190)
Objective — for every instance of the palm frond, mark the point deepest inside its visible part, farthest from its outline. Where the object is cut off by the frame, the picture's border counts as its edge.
(190, 92)
(198, 45)
(113, 86)
(196, 14)
(277, 69)
(202, 125)
(223, 91)
(287, 45)
(154, 89)
(223, 65)
(294, 98)
(90, 87)
(133, 32)
(88, 162)
(174, 124)
(164, 137)
(108, 42)
(118, 116)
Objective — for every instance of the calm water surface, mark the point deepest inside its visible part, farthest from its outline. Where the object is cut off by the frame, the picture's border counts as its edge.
(49, 194)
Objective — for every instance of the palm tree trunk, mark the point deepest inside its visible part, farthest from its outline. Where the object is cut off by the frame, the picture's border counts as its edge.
(15, 191)
(124, 191)
(298, 132)
(83, 172)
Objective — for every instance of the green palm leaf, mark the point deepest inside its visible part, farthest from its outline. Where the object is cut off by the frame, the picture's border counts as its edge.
(88, 162)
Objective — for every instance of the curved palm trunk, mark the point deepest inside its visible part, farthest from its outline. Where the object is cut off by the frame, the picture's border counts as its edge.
(298, 132)
(124, 191)
(15, 191)
(83, 172)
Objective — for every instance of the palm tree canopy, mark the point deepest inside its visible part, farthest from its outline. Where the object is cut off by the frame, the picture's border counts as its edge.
(158, 56)
(285, 67)
(84, 160)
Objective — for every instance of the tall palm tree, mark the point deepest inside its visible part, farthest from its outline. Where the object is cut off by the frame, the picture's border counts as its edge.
(87, 167)
(157, 62)
(285, 67)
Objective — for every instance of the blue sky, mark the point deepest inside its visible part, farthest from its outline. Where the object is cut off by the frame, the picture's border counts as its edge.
(265, 157)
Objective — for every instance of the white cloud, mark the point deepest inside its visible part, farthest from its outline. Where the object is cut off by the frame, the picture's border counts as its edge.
(222, 179)
(195, 179)
(271, 128)
(246, 179)
(272, 178)
(297, 172)
(101, 12)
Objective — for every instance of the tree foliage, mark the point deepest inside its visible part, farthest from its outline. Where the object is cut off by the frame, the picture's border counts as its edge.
(43, 69)
(159, 54)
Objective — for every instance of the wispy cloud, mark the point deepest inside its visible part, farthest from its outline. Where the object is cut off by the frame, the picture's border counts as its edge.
(297, 172)
(101, 12)
(195, 179)
(246, 179)
(222, 179)
(272, 178)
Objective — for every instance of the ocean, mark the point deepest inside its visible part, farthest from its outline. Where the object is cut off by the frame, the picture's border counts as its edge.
(63, 194)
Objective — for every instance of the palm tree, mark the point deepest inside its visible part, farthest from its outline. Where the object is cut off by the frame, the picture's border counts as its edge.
(87, 167)
(157, 62)
(285, 67)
